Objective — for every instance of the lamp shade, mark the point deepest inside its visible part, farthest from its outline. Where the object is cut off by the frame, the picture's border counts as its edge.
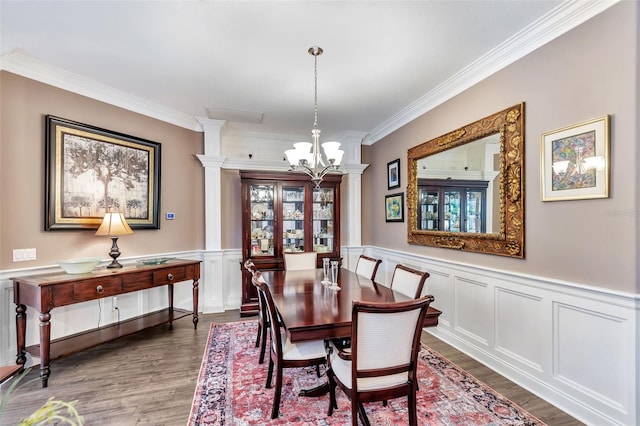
(113, 225)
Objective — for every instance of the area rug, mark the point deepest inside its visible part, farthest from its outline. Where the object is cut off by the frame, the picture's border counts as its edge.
(231, 391)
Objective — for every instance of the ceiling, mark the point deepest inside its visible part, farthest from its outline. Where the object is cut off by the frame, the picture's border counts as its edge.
(384, 62)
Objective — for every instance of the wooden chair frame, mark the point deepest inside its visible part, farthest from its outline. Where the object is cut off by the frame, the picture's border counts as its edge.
(276, 352)
(408, 389)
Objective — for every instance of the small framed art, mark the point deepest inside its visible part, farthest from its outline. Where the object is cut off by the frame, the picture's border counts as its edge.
(394, 207)
(575, 161)
(393, 174)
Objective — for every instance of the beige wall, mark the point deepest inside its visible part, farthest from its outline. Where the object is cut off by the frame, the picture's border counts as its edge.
(24, 103)
(587, 73)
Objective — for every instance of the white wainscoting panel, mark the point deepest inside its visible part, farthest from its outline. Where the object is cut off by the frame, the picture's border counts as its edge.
(591, 355)
(576, 346)
(518, 336)
(472, 310)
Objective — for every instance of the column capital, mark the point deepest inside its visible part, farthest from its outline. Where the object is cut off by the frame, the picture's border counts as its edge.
(211, 160)
(354, 168)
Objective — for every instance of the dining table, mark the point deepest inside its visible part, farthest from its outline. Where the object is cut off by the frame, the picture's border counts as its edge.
(311, 310)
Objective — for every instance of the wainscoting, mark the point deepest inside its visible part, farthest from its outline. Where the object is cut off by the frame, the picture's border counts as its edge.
(575, 346)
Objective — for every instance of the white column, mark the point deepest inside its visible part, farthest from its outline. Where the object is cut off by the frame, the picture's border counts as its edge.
(351, 240)
(212, 291)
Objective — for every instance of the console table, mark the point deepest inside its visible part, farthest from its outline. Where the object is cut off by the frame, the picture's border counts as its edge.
(47, 291)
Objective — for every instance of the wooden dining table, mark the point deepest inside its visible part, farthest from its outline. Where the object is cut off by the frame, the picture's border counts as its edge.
(311, 310)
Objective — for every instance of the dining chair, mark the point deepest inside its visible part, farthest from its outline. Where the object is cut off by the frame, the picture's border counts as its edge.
(367, 266)
(368, 371)
(408, 281)
(283, 353)
(299, 261)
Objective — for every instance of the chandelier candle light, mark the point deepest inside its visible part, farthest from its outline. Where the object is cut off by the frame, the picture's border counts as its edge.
(114, 225)
(312, 162)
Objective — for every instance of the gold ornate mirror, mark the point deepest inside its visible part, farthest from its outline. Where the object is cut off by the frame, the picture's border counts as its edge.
(466, 188)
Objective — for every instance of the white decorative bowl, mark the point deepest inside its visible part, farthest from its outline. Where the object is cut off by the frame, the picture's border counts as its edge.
(79, 266)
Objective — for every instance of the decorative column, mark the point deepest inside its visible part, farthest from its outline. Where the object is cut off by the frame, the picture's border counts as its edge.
(352, 199)
(211, 289)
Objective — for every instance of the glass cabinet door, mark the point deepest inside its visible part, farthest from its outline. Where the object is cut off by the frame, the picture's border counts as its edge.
(474, 213)
(452, 211)
(429, 209)
(323, 229)
(262, 219)
(293, 219)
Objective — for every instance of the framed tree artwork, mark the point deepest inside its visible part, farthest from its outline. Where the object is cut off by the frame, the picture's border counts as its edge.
(91, 171)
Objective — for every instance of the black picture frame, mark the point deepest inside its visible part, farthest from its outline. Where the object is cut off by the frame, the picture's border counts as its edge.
(394, 207)
(90, 171)
(393, 174)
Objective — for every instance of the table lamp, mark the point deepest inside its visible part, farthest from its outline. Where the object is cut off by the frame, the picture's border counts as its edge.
(114, 225)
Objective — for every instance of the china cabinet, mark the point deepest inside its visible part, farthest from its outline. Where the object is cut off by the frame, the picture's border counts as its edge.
(452, 205)
(286, 213)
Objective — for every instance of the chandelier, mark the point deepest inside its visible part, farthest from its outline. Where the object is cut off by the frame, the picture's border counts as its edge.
(306, 156)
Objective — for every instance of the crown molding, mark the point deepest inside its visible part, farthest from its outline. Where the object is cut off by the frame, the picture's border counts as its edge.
(558, 21)
(17, 63)
(550, 26)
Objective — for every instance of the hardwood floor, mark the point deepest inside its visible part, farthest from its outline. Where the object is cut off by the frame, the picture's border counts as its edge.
(149, 379)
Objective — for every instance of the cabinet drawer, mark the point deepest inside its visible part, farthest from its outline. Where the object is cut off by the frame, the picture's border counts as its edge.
(170, 275)
(96, 289)
(139, 281)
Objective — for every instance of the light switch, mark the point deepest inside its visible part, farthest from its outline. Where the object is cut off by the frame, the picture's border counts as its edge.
(171, 216)
(21, 255)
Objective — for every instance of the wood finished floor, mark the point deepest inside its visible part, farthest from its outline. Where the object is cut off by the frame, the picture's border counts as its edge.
(149, 379)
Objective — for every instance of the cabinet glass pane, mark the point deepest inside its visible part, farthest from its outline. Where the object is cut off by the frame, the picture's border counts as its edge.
(293, 218)
(323, 230)
(474, 211)
(452, 211)
(262, 218)
(428, 211)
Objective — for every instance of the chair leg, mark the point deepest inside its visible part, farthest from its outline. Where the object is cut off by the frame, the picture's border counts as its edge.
(263, 345)
(259, 334)
(278, 392)
(269, 373)
(363, 415)
(413, 416)
(318, 370)
(354, 413)
(332, 393)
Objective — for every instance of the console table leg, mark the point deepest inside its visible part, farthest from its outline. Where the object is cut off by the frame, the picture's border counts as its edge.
(45, 342)
(21, 333)
(195, 304)
(170, 289)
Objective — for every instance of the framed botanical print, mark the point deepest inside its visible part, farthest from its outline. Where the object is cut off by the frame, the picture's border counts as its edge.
(575, 161)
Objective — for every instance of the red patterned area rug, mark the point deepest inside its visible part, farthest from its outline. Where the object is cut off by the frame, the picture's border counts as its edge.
(230, 391)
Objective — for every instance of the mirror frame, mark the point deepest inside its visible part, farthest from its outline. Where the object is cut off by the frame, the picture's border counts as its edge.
(509, 240)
